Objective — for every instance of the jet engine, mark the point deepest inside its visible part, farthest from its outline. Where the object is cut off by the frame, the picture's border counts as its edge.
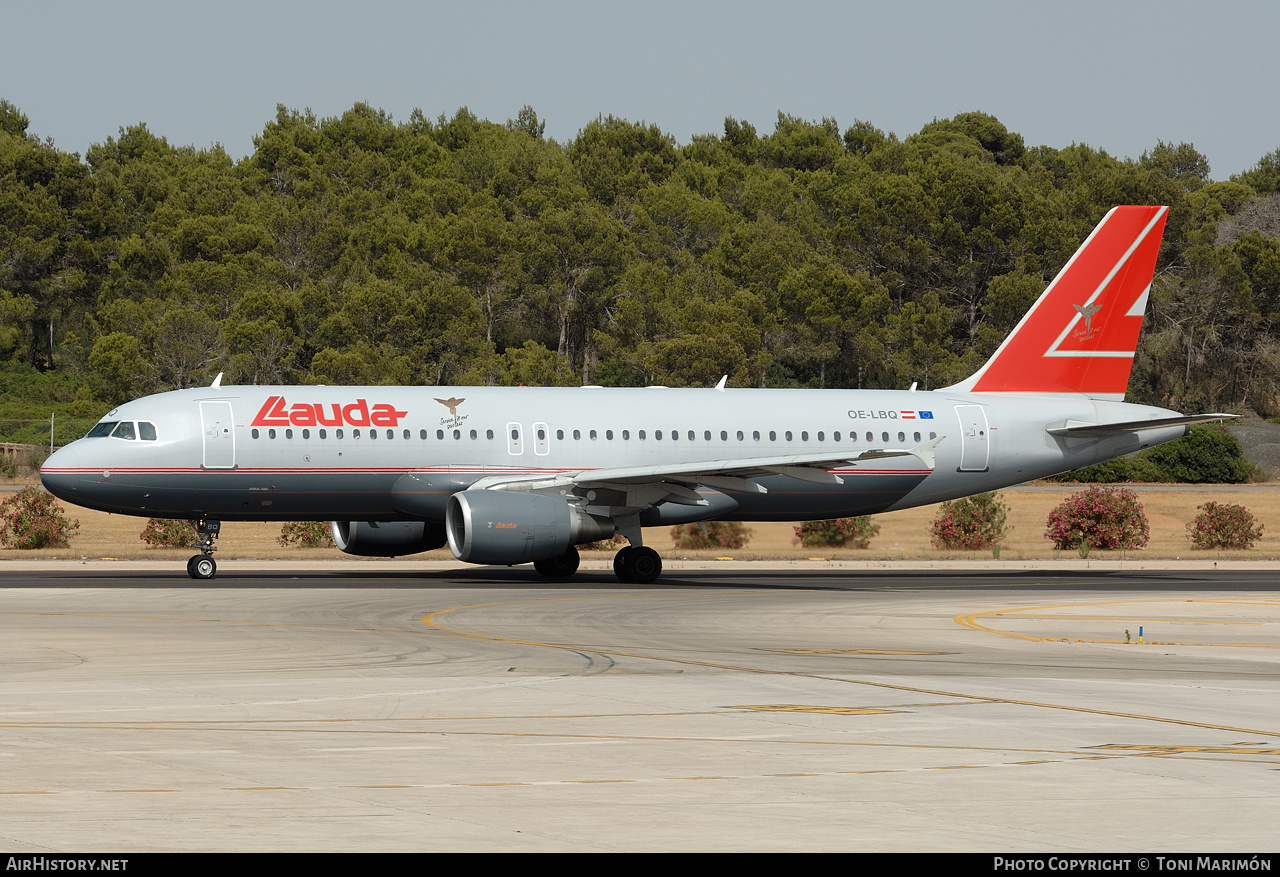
(493, 526)
(387, 538)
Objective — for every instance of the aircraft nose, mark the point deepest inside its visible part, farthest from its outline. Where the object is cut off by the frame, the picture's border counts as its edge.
(60, 472)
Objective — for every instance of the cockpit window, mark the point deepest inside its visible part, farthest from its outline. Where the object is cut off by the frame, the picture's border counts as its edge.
(124, 431)
(101, 429)
(146, 431)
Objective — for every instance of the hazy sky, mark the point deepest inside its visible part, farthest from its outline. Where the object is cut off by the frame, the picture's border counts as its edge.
(1118, 76)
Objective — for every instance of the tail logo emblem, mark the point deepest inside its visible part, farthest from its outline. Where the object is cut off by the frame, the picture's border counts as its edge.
(1086, 311)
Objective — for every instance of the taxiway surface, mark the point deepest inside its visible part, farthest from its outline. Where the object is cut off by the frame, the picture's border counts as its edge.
(718, 710)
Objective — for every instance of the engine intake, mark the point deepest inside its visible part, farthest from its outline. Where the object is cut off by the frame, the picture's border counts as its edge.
(491, 526)
(387, 538)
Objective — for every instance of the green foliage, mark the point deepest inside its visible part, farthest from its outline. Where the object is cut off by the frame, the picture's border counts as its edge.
(719, 534)
(306, 534)
(1135, 469)
(970, 523)
(32, 518)
(168, 533)
(1100, 517)
(359, 249)
(1223, 525)
(837, 533)
(1210, 454)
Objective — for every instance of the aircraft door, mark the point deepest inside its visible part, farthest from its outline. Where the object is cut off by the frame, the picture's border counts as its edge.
(541, 439)
(515, 441)
(219, 435)
(975, 449)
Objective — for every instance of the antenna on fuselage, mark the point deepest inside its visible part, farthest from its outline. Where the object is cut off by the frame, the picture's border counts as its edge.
(723, 380)
(217, 382)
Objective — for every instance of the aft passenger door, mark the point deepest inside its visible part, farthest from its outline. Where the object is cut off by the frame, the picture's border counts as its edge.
(975, 450)
(219, 435)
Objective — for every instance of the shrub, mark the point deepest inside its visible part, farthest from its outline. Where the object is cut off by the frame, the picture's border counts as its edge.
(1100, 517)
(971, 523)
(169, 533)
(32, 518)
(720, 534)
(837, 533)
(1208, 455)
(1135, 468)
(610, 544)
(306, 534)
(1223, 525)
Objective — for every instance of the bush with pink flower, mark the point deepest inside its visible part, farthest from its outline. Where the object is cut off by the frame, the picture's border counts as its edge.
(1223, 525)
(971, 523)
(1100, 517)
(32, 518)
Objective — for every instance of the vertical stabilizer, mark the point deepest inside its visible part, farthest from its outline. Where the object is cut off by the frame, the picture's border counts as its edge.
(1081, 334)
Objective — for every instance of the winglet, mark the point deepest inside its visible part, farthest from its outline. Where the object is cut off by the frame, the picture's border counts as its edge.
(1081, 334)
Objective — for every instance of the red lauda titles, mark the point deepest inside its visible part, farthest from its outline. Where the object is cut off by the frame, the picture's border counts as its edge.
(359, 413)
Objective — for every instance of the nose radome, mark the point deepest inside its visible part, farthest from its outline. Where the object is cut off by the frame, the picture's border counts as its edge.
(59, 473)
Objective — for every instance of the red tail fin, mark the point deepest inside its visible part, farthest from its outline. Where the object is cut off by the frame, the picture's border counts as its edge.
(1081, 334)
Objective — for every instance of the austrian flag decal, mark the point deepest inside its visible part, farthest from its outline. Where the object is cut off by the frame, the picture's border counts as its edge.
(359, 413)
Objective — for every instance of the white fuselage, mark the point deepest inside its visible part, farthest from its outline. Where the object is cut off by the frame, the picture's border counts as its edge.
(338, 453)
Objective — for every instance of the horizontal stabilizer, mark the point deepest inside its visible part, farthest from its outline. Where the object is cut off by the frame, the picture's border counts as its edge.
(1087, 430)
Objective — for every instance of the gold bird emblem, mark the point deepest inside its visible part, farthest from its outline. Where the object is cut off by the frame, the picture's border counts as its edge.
(1087, 311)
(452, 404)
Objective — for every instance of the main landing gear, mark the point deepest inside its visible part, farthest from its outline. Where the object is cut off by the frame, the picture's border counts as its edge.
(202, 566)
(637, 564)
(634, 564)
(561, 567)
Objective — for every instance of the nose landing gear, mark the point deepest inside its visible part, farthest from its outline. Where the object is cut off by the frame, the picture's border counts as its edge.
(202, 566)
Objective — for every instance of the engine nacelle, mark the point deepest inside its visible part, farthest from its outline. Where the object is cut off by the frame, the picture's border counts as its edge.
(493, 526)
(387, 538)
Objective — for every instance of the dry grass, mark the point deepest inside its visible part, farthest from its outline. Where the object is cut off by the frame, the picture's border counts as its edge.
(903, 535)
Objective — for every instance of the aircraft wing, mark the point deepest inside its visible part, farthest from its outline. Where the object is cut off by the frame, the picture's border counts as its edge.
(728, 474)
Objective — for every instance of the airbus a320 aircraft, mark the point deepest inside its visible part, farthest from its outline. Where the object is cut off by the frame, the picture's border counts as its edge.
(512, 475)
